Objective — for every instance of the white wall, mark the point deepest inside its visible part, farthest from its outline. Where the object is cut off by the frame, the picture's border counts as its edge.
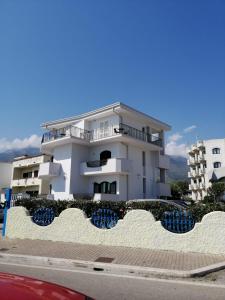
(5, 174)
(61, 184)
(211, 158)
(118, 150)
(138, 229)
(78, 183)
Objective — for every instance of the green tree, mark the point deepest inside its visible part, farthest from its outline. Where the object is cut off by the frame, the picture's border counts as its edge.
(215, 192)
(179, 189)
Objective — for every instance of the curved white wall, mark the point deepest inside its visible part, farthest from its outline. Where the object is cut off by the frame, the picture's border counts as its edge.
(138, 229)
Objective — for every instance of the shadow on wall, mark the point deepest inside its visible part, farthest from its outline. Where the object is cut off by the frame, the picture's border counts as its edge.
(138, 229)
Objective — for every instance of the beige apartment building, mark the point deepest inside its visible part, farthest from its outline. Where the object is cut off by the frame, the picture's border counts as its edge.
(25, 172)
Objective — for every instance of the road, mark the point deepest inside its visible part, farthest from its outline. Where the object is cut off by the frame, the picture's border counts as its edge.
(107, 286)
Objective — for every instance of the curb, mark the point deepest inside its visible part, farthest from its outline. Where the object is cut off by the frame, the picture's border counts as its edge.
(113, 269)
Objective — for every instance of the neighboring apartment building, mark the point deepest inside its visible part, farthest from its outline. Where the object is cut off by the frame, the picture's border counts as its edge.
(5, 177)
(112, 153)
(25, 173)
(207, 165)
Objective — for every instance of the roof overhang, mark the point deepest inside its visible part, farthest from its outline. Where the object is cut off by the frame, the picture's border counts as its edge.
(117, 107)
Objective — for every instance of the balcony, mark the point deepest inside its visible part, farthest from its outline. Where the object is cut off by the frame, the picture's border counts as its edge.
(138, 134)
(48, 170)
(68, 131)
(110, 166)
(201, 171)
(25, 182)
(30, 161)
(201, 157)
(201, 185)
(86, 136)
(191, 161)
(163, 189)
(164, 162)
(200, 144)
(193, 187)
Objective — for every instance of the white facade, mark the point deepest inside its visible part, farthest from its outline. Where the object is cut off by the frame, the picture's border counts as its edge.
(24, 175)
(5, 177)
(207, 165)
(113, 153)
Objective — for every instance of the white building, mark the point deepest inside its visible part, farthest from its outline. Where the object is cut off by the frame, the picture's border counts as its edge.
(5, 177)
(24, 175)
(207, 165)
(112, 153)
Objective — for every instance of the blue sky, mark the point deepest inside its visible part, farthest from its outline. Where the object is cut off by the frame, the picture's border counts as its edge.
(61, 58)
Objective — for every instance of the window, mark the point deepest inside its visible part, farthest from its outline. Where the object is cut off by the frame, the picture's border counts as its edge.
(217, 164)
(97, 188)
(216, 151)
(104, 155)
(27, 175)
(36, 173)
(113, 187)
(104, 129)
(105, 187)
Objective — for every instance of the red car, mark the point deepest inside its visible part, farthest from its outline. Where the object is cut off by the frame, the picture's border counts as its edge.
(14, 287)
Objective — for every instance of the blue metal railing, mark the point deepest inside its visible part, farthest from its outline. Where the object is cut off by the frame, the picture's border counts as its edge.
(178, 221)
(104, 218)
(43, 216)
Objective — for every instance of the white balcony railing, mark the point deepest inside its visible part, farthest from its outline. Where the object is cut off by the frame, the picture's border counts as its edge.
(112, 165)
(49, 170)
(26, 182)
(28, 161)
(202, 185)
(193, 186)
(191, 161)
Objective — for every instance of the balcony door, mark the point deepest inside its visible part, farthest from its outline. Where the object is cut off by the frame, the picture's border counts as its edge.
(104, 129)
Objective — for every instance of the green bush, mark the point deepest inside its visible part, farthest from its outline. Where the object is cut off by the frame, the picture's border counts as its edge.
(157, 208)
(121, 208)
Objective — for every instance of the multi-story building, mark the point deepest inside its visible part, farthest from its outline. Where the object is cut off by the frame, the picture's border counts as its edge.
(207, 165)
(25, 171)
(5, 177)
(112, 153)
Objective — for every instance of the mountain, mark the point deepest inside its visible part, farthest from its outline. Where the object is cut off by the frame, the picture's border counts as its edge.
(178, 168)
(10, 154)
(178, 165)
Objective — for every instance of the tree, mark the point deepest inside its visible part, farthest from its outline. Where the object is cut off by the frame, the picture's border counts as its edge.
(179, 189)
(216, 191)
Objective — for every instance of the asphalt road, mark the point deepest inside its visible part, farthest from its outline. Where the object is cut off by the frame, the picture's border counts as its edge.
(106, 286)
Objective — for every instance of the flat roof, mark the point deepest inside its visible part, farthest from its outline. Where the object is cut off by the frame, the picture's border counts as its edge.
(105, 109)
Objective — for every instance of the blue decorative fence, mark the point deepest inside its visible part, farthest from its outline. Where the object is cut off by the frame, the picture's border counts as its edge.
(104, 218)
(43, 216)
(178, 221)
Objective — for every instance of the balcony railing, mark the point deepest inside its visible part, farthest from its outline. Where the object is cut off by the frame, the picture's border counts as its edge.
(66, 132)
(139, 135)
(96, 163)
(72, 131)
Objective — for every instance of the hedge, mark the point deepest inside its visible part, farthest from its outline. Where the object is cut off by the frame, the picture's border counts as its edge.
(88, 206)
(157, 208)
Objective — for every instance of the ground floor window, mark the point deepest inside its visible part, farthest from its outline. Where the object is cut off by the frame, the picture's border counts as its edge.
(105, 187)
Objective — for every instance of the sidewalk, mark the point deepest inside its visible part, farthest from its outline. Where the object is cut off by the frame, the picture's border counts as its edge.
(163, 261)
